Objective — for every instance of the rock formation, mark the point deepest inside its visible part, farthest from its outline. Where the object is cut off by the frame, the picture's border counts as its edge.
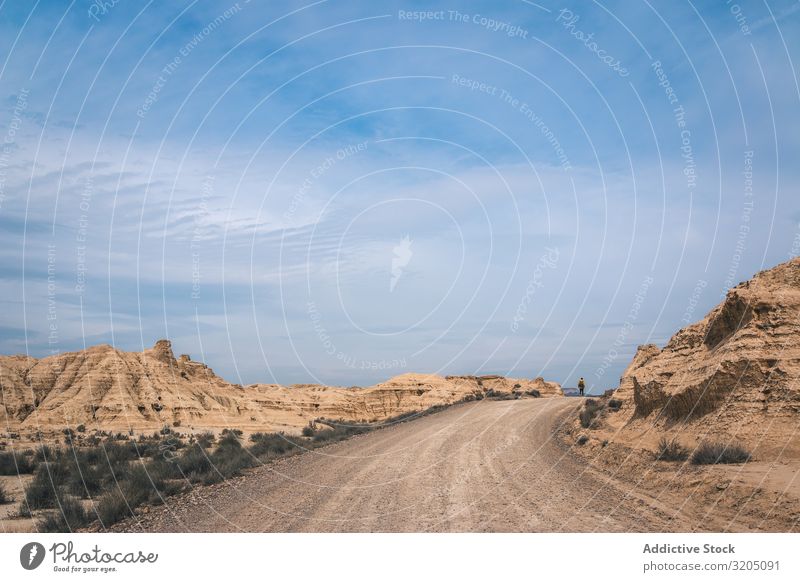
(107, 389)
(737, 369)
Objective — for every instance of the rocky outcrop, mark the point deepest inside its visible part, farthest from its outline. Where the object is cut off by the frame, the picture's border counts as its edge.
(737, 367)
(644, 354)
(502, 384)
(107, 389)
(113, 390)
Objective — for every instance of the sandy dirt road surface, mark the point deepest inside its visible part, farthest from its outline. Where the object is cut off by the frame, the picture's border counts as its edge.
(484, 466)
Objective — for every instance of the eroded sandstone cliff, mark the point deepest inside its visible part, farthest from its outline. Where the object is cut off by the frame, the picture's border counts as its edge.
(735, 372)
(108, 389)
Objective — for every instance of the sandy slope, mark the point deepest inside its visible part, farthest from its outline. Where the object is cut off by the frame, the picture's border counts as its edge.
(485, 466)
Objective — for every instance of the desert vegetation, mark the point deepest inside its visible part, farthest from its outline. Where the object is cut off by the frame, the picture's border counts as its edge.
(671, 450)
(514, 395)
(14, 464)
(711, 453)
(101, 479)
(590, 411)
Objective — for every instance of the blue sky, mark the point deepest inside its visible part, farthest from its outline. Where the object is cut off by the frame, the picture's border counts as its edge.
(339, 191)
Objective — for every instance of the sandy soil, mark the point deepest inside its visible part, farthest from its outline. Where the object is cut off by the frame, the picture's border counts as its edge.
(760, 495)
(486, 466)
(10, 522)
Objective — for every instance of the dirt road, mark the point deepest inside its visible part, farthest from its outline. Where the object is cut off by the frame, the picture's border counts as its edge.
(485, 466)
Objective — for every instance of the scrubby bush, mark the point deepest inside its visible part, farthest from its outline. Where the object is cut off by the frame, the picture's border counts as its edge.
(328, 434)
(205, 439)
(85, 480)
(113, 507)
(534, 393)
(718, 453)
(193, 463)
(671, 451)
(339, 431)
(147, 447)
(228, 440)
(229, 459)
(16, 463)
(4, 497)
(116, 463)
(269, 444)
(614, 404)
(43, 491)
(495, 395)
(583, 439)
(68, 516)
(591, 408)
(229, 465)
(165, 448)
(147, 484)
(44, 453)
(308, 431)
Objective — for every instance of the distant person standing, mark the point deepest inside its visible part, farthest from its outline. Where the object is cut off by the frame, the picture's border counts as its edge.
(581, 386)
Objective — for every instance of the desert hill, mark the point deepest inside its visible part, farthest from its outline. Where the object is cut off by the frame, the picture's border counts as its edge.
(108, 389)
(733, 375)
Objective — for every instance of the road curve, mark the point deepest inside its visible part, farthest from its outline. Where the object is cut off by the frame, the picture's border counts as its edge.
(480, 467)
